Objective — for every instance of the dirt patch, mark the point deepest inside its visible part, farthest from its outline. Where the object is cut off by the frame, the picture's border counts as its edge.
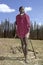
(11, 52)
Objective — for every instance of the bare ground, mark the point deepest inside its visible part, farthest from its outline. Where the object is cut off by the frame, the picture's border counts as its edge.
(11, 52)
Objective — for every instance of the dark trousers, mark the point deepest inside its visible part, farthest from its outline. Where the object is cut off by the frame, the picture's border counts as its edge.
(24, 46)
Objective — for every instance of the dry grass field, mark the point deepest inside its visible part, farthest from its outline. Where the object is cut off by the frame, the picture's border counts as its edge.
(11, 54)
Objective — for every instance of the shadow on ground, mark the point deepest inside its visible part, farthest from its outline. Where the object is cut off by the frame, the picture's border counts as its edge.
(11, 58)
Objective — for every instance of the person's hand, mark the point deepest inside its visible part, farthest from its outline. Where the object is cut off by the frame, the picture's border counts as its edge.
(27, 35)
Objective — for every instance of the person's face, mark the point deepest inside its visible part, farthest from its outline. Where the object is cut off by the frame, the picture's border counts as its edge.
(22, 10)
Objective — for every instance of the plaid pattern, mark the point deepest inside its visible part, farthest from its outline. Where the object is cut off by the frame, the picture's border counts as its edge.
(23, 25)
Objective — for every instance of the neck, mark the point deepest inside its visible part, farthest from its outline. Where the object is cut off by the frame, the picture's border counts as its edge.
(21, 13)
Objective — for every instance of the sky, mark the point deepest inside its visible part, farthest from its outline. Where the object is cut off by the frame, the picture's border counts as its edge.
(10, 8)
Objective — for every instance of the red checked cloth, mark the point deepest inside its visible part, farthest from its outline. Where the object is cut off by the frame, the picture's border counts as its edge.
(23, 25)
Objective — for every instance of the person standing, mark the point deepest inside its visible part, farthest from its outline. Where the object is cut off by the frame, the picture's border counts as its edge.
(23, 29)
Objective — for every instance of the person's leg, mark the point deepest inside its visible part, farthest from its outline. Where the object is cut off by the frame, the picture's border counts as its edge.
(22, 44)
(25, 48)
(26, 44)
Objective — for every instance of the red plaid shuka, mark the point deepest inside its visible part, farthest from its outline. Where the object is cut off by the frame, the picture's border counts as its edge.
(23, 25)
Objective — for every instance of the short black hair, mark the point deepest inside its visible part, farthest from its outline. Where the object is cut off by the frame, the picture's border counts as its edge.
(20, 8)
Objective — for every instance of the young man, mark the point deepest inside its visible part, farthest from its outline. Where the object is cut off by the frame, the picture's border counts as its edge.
(23, 29)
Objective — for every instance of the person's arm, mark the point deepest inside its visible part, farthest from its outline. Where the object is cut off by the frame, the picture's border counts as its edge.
(28, 26)
(28, 22)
